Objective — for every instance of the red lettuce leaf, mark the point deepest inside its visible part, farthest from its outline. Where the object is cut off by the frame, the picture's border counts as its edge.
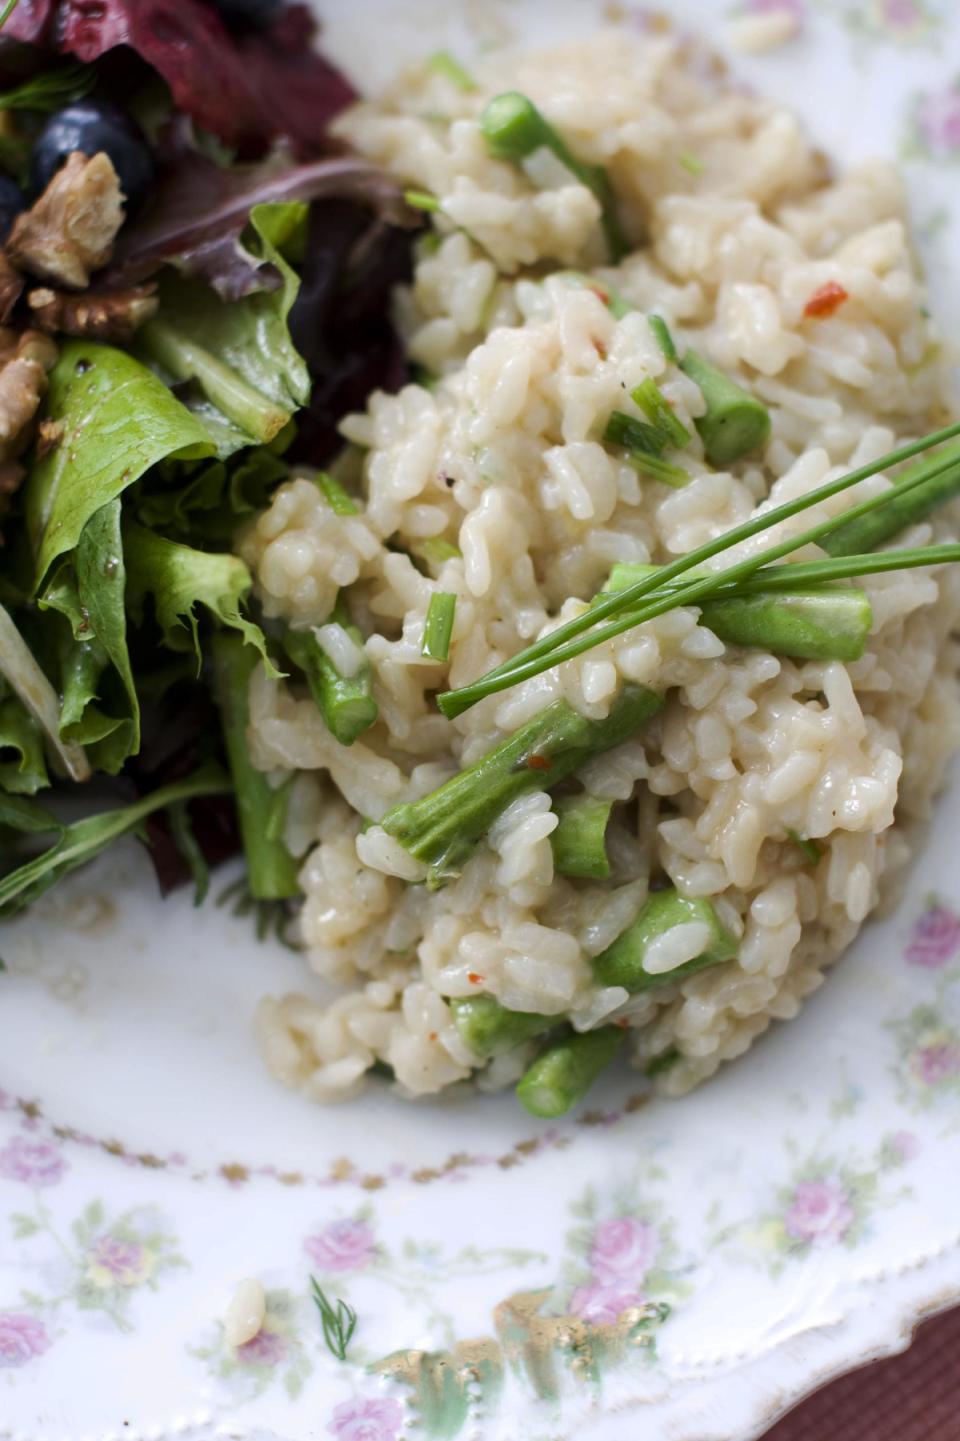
(248, 89)
(199, 209)
(340, 321)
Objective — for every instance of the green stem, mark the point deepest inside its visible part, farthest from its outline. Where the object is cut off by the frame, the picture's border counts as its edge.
(580, 839)
(651, 400)
(444, 827)
(185, 360)
(822, 623)
(563, 1073)
(438, 626)
(661, 334)
(560, 644)
(622, 963)
(271, 869)
(339, 500)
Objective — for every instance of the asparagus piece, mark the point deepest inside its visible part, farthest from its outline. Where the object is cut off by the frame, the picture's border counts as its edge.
(579, 841)
(443, 827)
(868, 531)
(271, 869)
(489, 1029)
(514, 128)
(826, 622)
(655, 406)
(439, 625)
(563, 1073)
(735, 422)
(345, 702)
(621, 964)
(441, 62)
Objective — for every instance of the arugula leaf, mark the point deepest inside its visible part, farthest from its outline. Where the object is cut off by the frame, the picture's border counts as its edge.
(238, 354)
(83, 840)
(23, 770)
(88, 591)
(119, 419)
(179, 578)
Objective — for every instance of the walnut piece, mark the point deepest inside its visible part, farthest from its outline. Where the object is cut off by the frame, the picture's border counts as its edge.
(11, 284)
(105, 315)
(23, 384)
(70, 230)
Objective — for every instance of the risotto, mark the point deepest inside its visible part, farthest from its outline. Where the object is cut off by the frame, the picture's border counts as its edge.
(772, 797)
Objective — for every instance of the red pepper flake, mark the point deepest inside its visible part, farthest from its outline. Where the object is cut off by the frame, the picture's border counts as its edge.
(623, 1023)
(600, 349)
(826, 300)
(539, 763)
(432, 1036)
(475, 978)
(600, 293)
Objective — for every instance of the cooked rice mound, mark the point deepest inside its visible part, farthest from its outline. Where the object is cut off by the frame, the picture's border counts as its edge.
(499, 453)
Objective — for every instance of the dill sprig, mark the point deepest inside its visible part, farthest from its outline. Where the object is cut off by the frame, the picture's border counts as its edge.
(612, 614)
(338, 1320)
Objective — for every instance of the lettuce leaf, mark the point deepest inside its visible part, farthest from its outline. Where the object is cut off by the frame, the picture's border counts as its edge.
(199, 211)
(119, 419)
(247, 87)
(23, 770)
(179, 579)
(212, 502)
(30, 684)
(237, 354)
(89, 592)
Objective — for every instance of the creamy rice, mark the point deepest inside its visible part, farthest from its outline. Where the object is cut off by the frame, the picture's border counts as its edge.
(500, 455)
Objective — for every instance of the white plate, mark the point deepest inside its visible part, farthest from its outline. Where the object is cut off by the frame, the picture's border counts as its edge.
(795, 1215)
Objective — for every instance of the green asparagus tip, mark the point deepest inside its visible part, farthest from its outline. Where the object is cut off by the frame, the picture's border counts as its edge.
(489, 1029)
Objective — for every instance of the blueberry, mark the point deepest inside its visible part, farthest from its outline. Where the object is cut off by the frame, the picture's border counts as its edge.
(12, 201)
(91, 126)
(248, 14)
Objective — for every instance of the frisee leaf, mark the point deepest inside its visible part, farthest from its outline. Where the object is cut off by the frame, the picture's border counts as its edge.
(179, 579)
(50, 90)
(337, 1319)
(28, 681)
(80, 842)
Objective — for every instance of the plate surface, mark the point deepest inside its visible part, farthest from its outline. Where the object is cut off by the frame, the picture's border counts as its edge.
(787, 1221)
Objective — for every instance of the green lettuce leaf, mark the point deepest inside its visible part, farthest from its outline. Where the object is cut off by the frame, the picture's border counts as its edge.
(89, 592)
(211, 504)
(179, 579)
(27, 679)
(17, 813)
(119, 419)
(248, 377)
(23, 769)
(80, 842)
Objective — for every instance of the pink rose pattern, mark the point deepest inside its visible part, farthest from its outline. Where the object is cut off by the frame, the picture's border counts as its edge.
(820, 1212)
(367, 1418)
(936, 935)
(937, 1063)
(266, 1348)
(903, 14)
(342, 1246)
(794, 8)
(36, 1163)
(22, 1337)
(123, 1259)
(938, 119)
(622, 1251)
